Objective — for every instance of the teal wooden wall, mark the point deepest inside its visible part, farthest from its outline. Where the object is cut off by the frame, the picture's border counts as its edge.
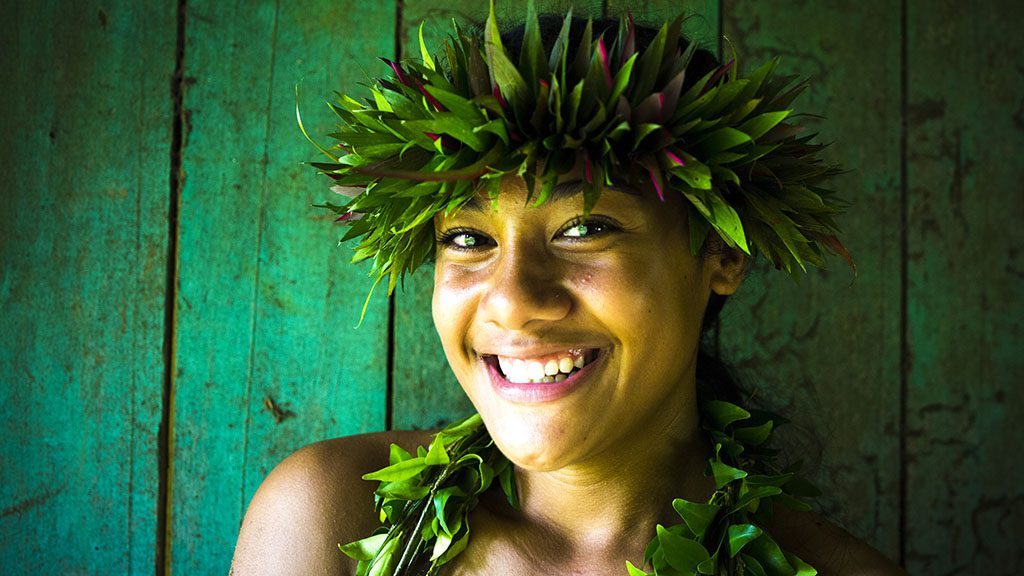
(175, 318)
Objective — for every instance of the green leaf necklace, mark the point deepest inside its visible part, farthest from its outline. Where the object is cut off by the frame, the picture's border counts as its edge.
(424, 502)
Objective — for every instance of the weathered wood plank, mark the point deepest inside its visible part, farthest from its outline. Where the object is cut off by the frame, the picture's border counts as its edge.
(702, 16)
(426, 394)
(827, 352)
(85, 143)
(267, 302)
(965, 267)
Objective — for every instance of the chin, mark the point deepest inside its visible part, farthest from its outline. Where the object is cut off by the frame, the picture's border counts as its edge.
(534, 439)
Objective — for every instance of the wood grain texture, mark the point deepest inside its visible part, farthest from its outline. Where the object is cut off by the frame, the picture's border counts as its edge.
(701, 22)
(826, 352)
(965, 267)
(85, 147)
(426, 394)
(268, 301)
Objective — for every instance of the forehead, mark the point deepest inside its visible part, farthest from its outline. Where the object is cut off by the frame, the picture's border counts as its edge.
(572, 190)
(569, 194)
(628, 207)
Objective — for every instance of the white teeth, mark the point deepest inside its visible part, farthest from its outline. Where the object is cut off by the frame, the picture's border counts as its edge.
(519, 367)
(565, 365)
(506, 365)
(551, 368)
(533, 371)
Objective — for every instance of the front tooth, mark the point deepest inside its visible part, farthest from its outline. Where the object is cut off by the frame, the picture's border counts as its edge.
(535, 370)
(517, 371)
(551, 368)
(560, 377)
(565, 365)
(547, 379)
(579, 362)
(506, 366)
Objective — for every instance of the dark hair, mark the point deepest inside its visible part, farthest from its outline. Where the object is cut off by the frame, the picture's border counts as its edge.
(715, 380)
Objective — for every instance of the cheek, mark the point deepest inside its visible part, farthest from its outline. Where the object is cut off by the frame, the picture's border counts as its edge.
(452, 303)
(633, 286)
(597, 288)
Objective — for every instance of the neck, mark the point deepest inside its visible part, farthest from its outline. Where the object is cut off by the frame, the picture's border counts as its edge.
(611, 502)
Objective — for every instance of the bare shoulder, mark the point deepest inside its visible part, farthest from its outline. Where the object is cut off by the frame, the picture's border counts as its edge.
(312, 501)
(829, 548)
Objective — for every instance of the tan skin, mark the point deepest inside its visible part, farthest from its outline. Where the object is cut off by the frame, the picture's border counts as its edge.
(591, 465)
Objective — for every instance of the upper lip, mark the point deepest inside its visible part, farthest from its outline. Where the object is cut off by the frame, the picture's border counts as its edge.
(516, 344)
(534, 351)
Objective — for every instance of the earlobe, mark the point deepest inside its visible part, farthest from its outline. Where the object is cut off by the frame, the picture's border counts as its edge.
(728, 268)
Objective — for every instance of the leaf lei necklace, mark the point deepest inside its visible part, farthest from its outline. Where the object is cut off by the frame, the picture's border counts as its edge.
(424, 502)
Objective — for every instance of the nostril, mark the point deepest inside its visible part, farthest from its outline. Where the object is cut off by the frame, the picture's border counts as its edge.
(514, 300)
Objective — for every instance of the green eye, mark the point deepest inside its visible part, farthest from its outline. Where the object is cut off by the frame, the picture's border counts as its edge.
(585, 229)
(465, 240)
(577, 231)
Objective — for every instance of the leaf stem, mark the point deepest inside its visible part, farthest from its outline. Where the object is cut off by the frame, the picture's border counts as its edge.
(406, 556)
(410, 552)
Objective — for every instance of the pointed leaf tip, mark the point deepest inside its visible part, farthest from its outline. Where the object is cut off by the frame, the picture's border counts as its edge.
(656, 179)
(675, 159)
(606, 69)
(424, 53)
(629, 46)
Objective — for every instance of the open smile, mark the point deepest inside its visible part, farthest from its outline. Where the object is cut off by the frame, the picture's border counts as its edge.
(541, 379)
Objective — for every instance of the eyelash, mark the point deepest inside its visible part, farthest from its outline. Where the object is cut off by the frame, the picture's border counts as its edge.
(447, 239)
(602, 226)
(596, 226)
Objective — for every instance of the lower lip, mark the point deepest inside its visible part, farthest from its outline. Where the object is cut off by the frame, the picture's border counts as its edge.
(530, 393)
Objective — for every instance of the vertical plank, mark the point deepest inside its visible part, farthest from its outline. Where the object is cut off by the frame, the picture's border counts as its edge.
(268, 301)
(85, 145)
(426, 394)
(826, 352)
(965, 266)
(702, 16)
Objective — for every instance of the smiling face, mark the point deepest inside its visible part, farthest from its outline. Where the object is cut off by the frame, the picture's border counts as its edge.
(526, 296)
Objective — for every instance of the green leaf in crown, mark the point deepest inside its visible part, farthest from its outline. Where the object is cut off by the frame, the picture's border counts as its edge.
(432, 136)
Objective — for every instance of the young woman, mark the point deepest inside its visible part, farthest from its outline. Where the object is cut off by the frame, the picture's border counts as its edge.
(572, 284)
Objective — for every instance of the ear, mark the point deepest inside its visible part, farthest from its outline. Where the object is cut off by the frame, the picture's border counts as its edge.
(726, 269)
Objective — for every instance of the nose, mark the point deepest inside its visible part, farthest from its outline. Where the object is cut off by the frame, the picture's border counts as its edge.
(525, 289)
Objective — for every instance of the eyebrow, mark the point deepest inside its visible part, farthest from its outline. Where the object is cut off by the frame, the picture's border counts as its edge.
(561, 191)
